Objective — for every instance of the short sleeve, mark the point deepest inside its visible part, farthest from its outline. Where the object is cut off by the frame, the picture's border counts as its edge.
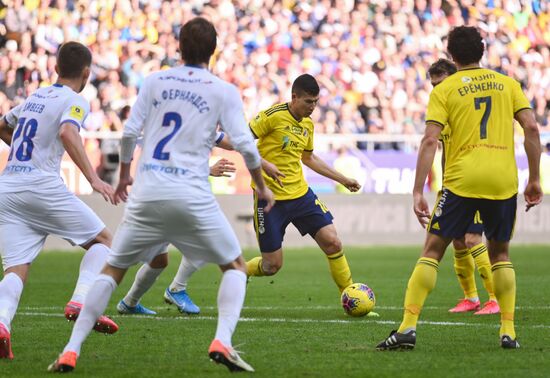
(13, 115)
(75, 112)
(520, 101)
(437, 109)
(260, 125)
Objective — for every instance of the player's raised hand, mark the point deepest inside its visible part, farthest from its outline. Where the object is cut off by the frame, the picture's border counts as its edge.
(421, 209)
(532, 194)
(351, 184)
(121, 192)
(222, 167)
(267, 195)
(104, 189)
(272, 171)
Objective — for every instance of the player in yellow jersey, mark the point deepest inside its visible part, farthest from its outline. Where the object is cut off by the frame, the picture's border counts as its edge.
(285, 141)
(469, 250)
(479, 106)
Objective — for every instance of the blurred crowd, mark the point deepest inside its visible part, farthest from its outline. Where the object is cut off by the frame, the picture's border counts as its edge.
(370, 57)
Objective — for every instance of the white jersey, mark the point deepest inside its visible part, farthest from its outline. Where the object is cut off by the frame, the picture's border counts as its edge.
(178, 111)
(36, 150)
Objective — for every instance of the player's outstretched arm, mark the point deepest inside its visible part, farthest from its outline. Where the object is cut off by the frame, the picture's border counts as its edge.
(533, 190)
(6, 131)
(68, 133)
(426, 154)
(317, 164)
(272, 171)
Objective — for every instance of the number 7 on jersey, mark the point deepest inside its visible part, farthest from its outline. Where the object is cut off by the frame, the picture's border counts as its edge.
(485, 118)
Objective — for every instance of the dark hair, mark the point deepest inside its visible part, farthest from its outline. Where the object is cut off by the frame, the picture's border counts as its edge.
(72, 58)
(197, 41)
(465, 45)
(305, 84)
(442, 66)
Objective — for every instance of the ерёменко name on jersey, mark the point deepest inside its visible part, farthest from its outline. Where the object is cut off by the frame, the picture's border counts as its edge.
(480, 87)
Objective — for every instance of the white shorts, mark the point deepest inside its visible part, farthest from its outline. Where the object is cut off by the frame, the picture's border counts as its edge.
(27, 218)
(197, 227)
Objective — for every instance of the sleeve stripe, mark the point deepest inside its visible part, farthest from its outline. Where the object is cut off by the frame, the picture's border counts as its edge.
(70, 121)
(253, 133)
(222, 134)
(308, 150)
(517, 111)
(436, 122)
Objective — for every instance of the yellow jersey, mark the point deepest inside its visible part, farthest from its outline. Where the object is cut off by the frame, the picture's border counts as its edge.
(281, 141)
(478, 105)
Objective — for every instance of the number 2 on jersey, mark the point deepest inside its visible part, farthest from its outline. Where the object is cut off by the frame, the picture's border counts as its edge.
(28, 130)
(169, 119)
(485, 118)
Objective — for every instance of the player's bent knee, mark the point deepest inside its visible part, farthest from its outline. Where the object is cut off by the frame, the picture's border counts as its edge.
(271, 267)
(104, 237)
(160, 261)
(116, 273)
(22, 271)
(239, 264)
(333, 245)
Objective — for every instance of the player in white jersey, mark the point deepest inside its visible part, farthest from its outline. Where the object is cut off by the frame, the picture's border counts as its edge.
(146, 276)
(178, 111)
(34, 201)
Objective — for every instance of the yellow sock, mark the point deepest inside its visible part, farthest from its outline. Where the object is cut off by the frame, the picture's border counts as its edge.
(422, 281)
(504, 278)
(464, 268)
(481, 258)
(339, 270)
(254, 267)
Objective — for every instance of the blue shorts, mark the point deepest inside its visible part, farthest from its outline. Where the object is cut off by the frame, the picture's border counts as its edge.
(476, 225)
(307, 213)
(452, 216)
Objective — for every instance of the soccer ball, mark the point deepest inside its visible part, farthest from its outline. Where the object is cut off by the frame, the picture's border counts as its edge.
(358, 299)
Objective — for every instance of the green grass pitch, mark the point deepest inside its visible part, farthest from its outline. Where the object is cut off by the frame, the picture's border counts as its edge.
(292, 324)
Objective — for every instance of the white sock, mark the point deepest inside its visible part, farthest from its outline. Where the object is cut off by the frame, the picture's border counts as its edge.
(11, 288)
(145, 278)
(185, 271)
(95, 303)
(90, 266)
(230, 302)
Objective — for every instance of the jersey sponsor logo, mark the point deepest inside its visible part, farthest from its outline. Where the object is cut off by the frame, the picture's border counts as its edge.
(286, 141)
(184, 80)
(18, 169)
(289, 144)
(435, 226)
(176, 171)
(296, 130)
(77, 113)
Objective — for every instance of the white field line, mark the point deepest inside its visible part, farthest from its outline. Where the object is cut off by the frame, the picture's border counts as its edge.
(297, 308)
(290, 320)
